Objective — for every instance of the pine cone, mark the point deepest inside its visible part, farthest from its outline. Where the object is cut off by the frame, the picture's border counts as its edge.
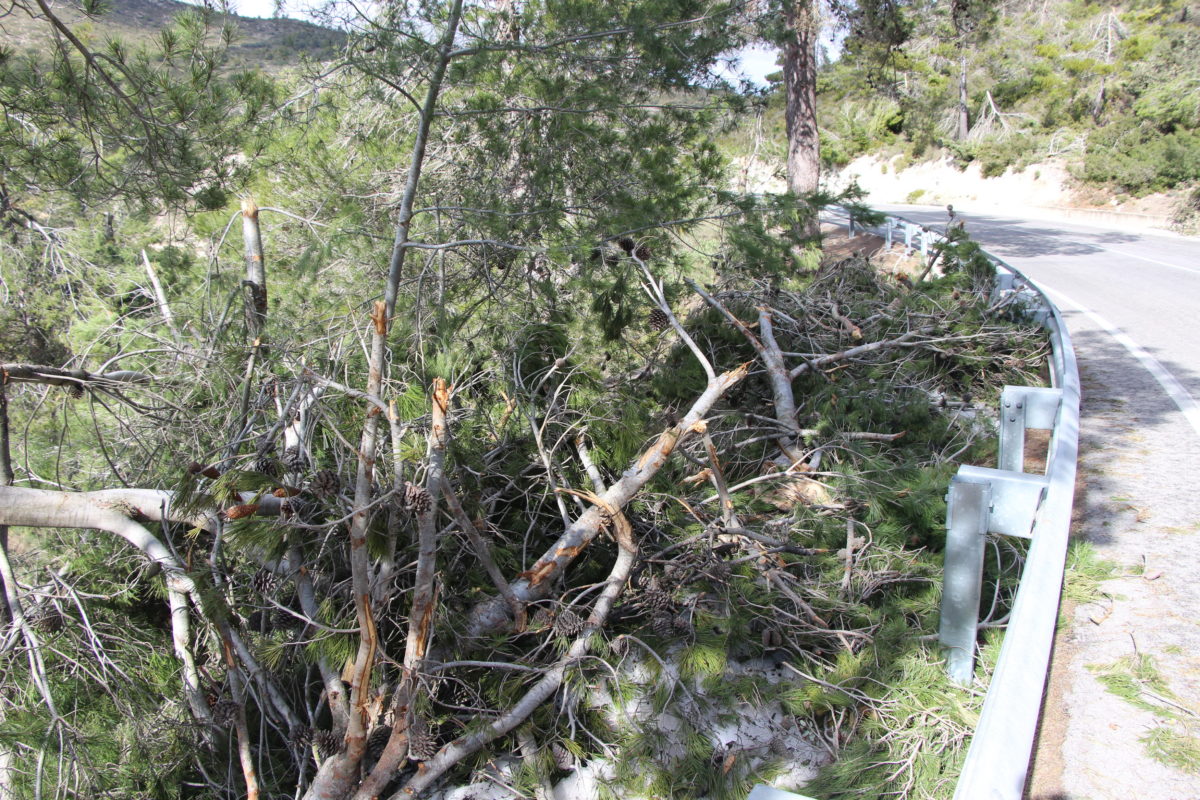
(267, 465)
(541, 619)
(771, 638)
(416, 499)
(224, 713)
(282, 620)
(720, 571)
(562, 757)
(328, 743)
(237, 512)
(196, 468)
(295, 459)
(295, 508)
(568, 623)
(377, 739)
(657, 600)
(325, 483)
(47, 620)
(301, 736)
(658, 320)
(663, 625)
(422, 745)
(264, 581)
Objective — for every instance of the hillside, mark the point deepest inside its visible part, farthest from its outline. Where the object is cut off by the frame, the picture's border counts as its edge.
(264, 42)
(1105, 95)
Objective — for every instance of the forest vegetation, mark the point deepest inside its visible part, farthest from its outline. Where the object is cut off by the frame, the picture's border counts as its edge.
(434, 415)
(1112, 89)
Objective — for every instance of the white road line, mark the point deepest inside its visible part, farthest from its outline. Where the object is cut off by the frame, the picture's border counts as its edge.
(1174, 389)
(1153, 261)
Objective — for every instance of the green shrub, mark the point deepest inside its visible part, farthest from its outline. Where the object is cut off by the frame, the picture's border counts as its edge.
(1139, 159)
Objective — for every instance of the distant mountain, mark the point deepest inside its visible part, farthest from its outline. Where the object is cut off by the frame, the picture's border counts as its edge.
(269, 43)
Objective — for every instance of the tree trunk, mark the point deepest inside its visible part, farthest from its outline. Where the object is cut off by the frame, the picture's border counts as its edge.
(800, 83)
(964, 114)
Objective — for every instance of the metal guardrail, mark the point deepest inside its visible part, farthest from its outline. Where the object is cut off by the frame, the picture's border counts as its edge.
(1007, 501)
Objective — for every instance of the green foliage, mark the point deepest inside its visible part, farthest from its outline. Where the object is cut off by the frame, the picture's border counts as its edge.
(1135, 679)
(1139, 159)
(1176, 749)
(544, 149)
(1085, 572)
(1122, 79)
(154, 122)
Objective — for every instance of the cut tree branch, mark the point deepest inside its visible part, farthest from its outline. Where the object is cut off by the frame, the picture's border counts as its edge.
(494, 615)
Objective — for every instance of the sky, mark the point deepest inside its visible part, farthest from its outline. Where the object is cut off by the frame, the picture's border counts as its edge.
(755, 62)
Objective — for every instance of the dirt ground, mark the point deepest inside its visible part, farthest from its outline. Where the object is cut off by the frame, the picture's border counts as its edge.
(837, 246)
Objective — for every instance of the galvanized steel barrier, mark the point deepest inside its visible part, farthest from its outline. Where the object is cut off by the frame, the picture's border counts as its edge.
(1007, 501)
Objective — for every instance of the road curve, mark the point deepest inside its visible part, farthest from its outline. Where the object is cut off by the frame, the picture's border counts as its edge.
(1132, 302)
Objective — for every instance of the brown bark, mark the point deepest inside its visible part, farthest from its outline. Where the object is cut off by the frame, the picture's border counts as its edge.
(800, 114)
(964, 111)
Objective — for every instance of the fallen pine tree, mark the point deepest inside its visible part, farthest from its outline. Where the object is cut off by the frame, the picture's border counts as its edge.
(756, 481)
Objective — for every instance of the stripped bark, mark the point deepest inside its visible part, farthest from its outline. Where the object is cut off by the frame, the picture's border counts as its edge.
(238, 687)
(255, 283)
(420, 619)
(777, 371)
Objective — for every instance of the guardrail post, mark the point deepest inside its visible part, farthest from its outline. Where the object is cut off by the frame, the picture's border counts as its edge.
(967, 509)
(1023, 408)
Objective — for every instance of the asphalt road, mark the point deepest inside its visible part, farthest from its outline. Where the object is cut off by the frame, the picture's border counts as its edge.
(1132, 303)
